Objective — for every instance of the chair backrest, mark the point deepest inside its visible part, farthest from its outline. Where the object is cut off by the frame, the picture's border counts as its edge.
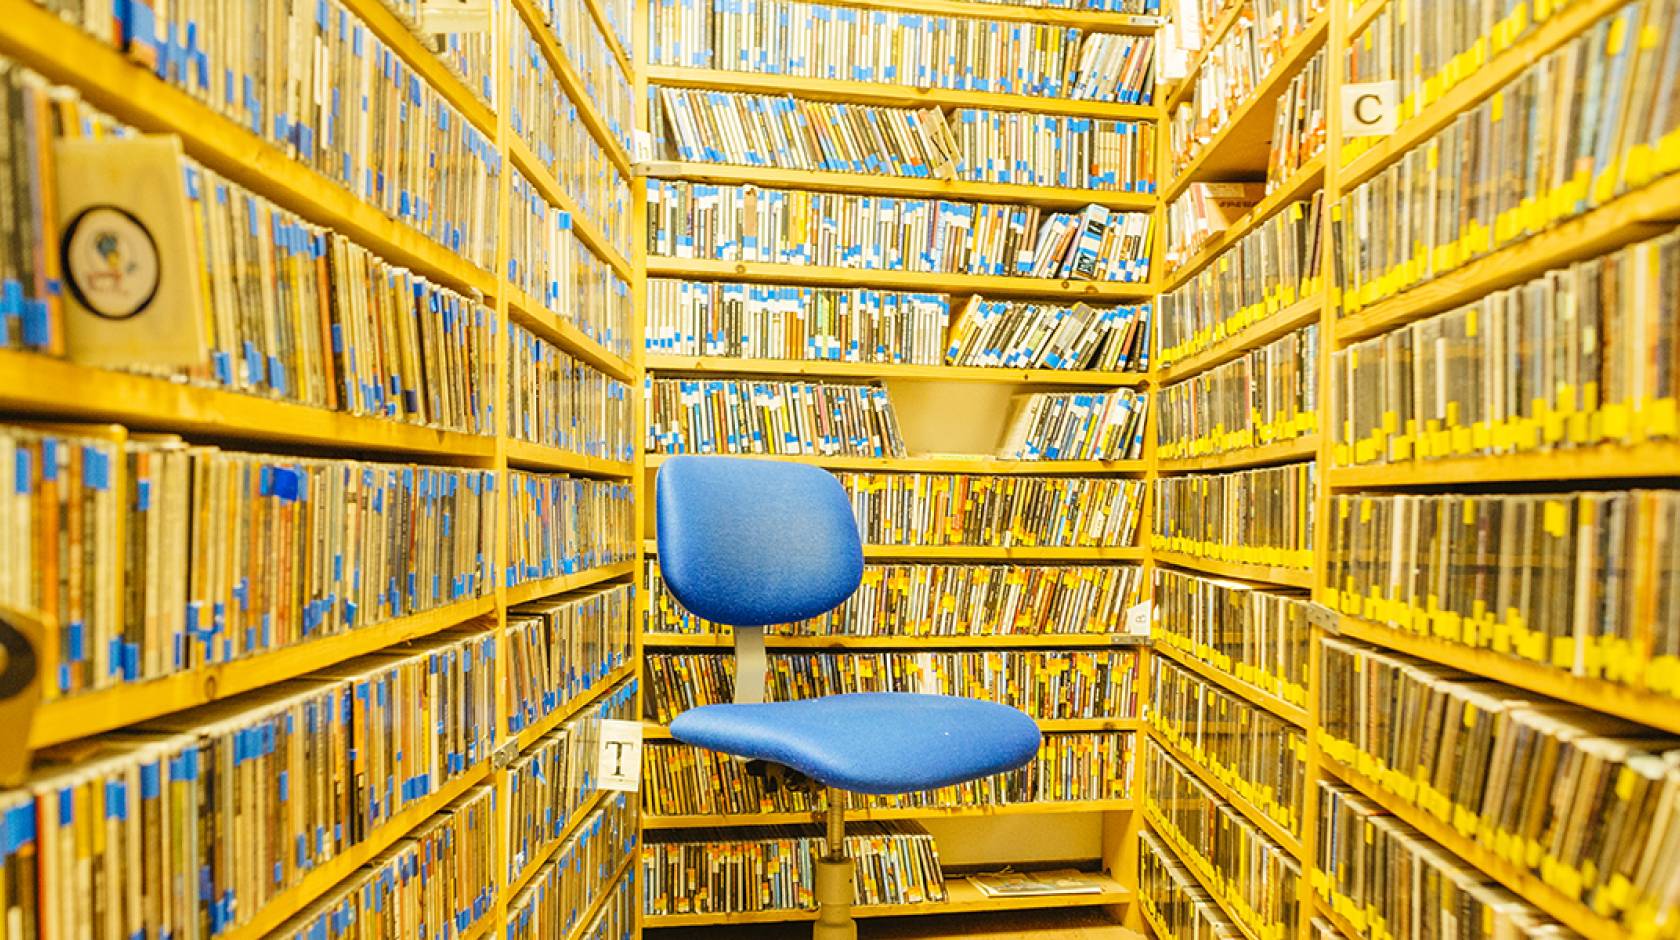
(752, 542)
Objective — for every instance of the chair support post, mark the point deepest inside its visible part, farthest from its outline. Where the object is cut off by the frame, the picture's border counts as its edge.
(834, 878)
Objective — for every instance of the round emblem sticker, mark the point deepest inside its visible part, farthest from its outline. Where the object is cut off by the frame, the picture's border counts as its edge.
(111, 261)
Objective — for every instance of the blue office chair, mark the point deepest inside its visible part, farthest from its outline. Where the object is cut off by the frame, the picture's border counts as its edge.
(755, 542)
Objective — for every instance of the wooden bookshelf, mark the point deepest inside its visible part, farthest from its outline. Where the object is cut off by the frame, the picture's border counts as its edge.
(529, 312)
(1222, 21)
(532, 590)
(1199, 868)
(573, 84)
(1569, 912)
(39, 388)
(604, 24)
(1294, 714)
(1628, 218)
(1007, 641)
(1323, 908)
(50, 388)
(1240, 148)
(1226, 344)
(1049, 197)
(964, 898)
(88, 713)
(1274, 831)
(553, 459)
(987, 552)
(322, 879)
(991, 465)
(601, 896)
(528, 163)
(1307, 180)
(1300, 448)
(1630, 702)
(653, 731)
(876, 813)
(1099, 20)
(544, 852)
(1567, 21)
(1565, 465)
(577, 705)
(990, 285)
(890, 96)
(1260, 574)
(894, 371)
(60, 51)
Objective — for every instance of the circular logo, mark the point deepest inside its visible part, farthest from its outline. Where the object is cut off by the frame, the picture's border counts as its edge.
(111, 262)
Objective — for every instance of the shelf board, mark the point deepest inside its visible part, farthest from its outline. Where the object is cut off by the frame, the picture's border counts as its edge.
(1526, 884)
(946, 464)
(527, 162)
(1286, 840)
(1222, 22)
(78, 716)
(1242, 146)
(1253, 336)
(1254, 695)
(835, 643)
(1640, 214)
(324, 878)
(532, 590)
(882, 94)
(654, 731)
(867, 814)
(607, 888)
(1652, 459)
(991, 285)
(63, 53)
(530, 313)
(1301, 448)
(48, 387)
(963, 898)
(1634, 704)
(396, 34)
(575, 706)
(572, 83)
(1049, 197)
(893, 371)
(1263, 574)
(1308, 179)
(1362, 15)
(547, 849)
(541, 457)
(1564, 24)
(1194, 863)
(984, 552)
(604, 25)
(1322, 908)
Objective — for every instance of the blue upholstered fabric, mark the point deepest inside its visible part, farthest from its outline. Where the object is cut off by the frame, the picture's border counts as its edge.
(871, 742)
(753, 542)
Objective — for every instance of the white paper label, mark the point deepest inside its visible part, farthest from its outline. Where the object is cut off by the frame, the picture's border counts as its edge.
(641, 143)
(1370, 109)
(619, 763)
(1137, 619)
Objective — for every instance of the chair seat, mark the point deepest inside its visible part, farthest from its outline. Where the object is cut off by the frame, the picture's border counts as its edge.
(870, 742)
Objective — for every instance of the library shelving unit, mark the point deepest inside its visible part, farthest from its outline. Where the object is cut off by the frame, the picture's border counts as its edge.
(1649, 459)
(1108, 826)
(1238, 152)
(36, 388)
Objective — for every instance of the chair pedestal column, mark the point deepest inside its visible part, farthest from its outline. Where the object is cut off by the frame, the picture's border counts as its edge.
(834, 879)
